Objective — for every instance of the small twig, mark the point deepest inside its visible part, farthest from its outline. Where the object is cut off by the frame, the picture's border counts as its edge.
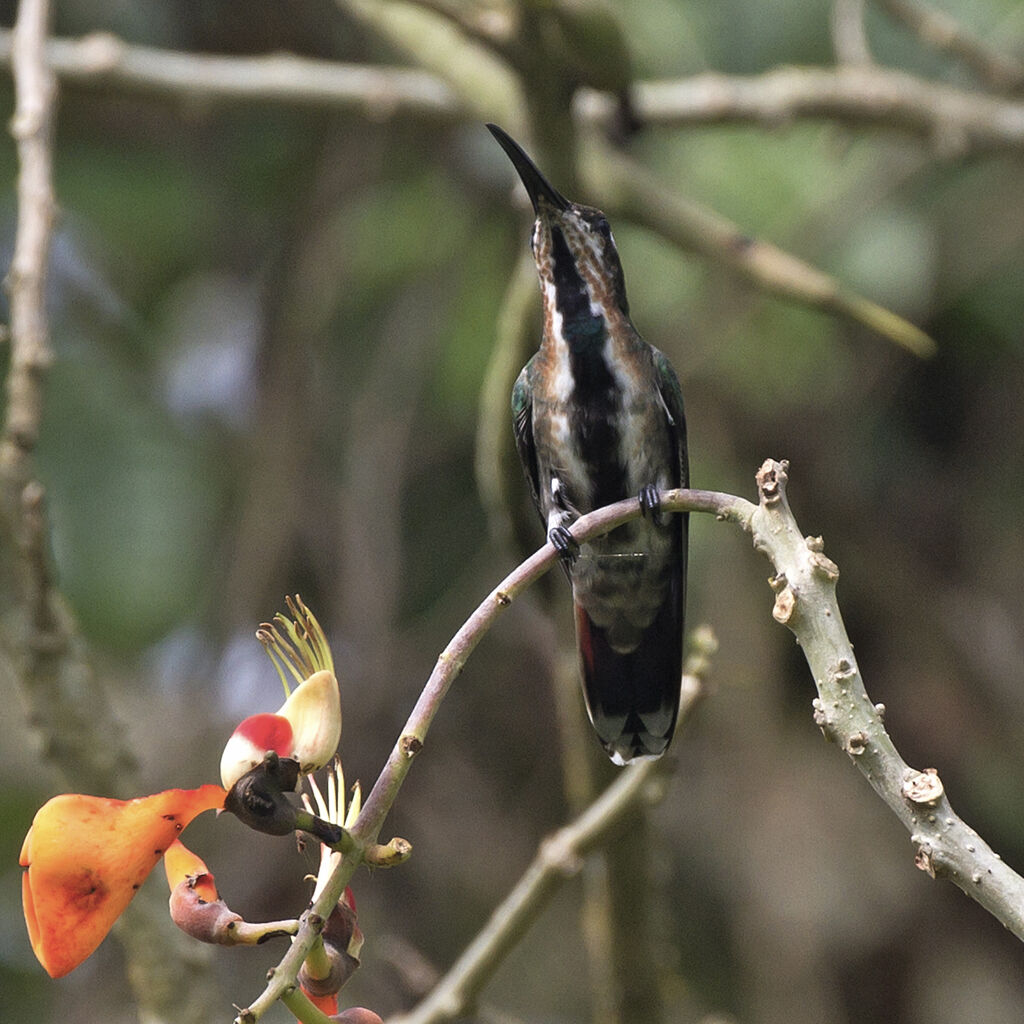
(303, 1007)
(944, 33)
(849, 35)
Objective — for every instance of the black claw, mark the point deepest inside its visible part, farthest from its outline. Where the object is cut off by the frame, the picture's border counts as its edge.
(650, 503)
(565, 544)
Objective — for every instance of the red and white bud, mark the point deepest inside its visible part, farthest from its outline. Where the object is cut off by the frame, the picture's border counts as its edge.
(251, 741)
(314, 711)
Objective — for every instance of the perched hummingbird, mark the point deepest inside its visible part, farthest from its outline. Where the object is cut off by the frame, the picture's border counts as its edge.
(598, 417)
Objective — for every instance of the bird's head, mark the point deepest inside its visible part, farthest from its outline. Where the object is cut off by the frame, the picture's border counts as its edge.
(580, 272)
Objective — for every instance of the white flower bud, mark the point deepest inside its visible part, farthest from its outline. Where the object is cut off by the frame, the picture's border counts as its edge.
(314, 711)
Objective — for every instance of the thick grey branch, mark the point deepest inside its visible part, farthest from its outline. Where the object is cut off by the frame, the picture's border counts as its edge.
(805, 601)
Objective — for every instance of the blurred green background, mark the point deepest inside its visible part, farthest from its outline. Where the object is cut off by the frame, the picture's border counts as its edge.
(272, 324)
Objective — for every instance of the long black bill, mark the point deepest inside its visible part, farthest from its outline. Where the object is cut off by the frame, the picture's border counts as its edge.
(536, 185)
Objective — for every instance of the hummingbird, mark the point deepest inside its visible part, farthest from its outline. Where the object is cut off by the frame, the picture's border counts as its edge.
(598, 417)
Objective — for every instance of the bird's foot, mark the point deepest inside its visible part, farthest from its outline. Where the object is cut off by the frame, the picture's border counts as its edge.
(650, 504)
(565, 544)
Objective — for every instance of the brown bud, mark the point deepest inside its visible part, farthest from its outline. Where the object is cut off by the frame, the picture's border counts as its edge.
(343, 966)
(207, 921)
(342, 928)
(342, 941)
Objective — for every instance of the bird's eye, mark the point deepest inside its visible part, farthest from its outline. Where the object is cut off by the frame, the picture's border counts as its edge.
(603, 228)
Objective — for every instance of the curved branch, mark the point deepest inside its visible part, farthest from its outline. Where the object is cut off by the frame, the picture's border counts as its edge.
(449, 664)
(558, 859)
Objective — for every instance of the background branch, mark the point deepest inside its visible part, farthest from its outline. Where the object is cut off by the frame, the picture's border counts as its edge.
(376, 92)
(849, 34)
(68, 708)
(693, 227)
(942, 31)
(31, 127)
(953, 121)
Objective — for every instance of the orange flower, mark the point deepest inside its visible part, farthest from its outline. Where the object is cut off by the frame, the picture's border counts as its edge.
(87, 856)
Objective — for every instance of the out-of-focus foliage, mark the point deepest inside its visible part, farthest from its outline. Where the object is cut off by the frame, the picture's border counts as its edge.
(272, 326)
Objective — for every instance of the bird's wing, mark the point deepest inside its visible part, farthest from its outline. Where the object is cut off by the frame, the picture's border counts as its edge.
(522, 423)
(672, 396)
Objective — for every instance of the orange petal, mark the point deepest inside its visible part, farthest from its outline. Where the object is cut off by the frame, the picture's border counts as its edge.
(181, 864)
(87, 856)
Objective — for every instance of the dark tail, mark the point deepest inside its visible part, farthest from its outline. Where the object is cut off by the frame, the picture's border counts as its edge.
(633, 698)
